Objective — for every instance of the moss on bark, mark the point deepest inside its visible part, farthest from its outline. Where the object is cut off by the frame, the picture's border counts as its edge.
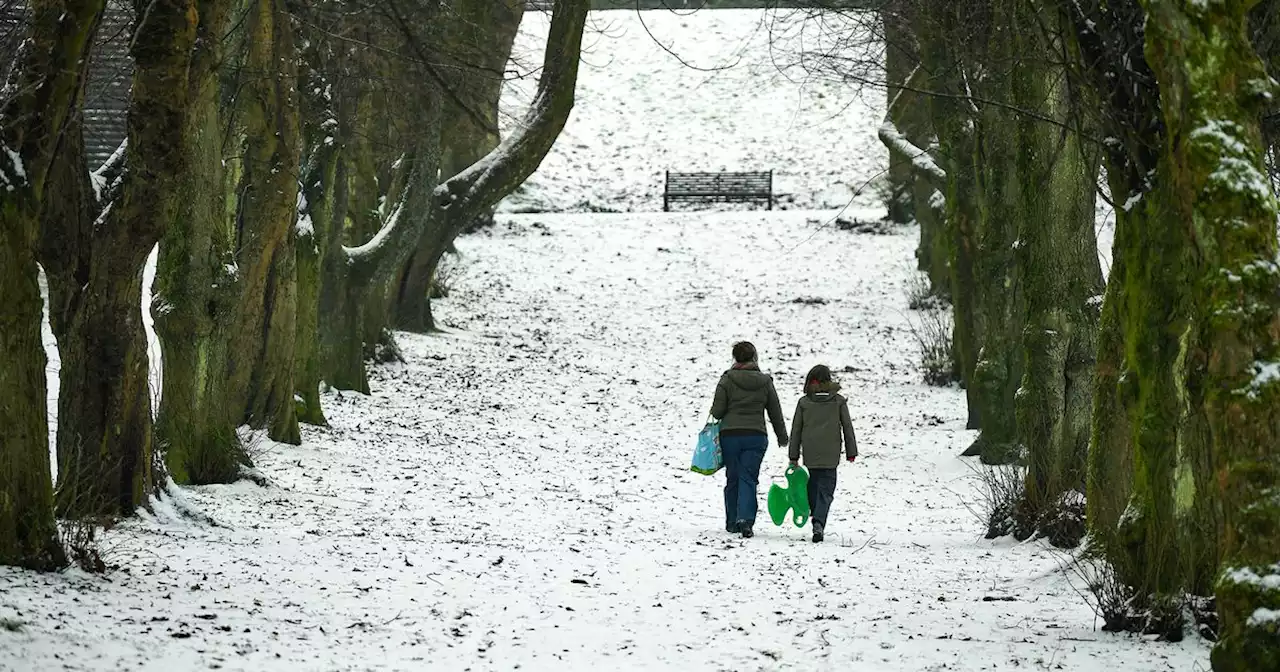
(996, 293)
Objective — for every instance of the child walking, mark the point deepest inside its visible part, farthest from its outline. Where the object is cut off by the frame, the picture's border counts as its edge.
(820, 426)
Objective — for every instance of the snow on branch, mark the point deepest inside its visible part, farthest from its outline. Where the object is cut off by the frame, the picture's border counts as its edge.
(920, 159)
(380, 240)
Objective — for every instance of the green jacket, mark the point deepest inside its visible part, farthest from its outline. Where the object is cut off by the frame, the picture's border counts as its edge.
(743, 397)
(820, 425)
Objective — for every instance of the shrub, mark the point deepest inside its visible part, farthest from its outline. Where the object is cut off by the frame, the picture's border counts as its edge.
(1000, 489)
(933, 336)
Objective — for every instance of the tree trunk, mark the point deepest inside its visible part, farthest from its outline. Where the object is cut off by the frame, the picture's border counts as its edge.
(341, 357)
(316, 219)
(1144, 420)
(1063, 285)
(28, 536)
(942, 37)
(996, 294)
(105, 424)
(195, 287)
(1214, 88)
(48, 93)
(260, 378)
(958, 144)
(414, 310)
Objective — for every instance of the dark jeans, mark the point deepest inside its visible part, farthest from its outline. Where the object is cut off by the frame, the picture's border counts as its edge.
(822, 490)
(743, 454)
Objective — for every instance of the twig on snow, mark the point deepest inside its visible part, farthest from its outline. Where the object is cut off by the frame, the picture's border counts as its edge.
(366, 624)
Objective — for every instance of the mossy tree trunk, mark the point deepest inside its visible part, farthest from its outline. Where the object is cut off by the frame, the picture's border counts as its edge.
(1139, 408)
(1063, 286)
(953, 118)
(1214, 89)
(317, 217)
(106, 457)
(49, 92)
(367, 212)
(260, 385)
(195, 287)
(996, 292)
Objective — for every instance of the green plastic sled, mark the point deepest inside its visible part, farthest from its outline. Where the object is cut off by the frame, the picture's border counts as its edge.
(794, 497)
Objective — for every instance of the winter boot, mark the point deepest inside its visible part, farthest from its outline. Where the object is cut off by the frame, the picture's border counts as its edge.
(745, 529)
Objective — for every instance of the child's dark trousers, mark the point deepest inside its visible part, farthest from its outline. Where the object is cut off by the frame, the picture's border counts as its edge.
(822, 490)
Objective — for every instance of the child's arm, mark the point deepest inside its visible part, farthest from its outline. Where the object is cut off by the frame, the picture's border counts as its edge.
(797, 426)
(846, 423)
(774, 410)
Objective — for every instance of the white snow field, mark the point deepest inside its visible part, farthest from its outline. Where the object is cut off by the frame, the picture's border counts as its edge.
(742, 103)
(516, 495)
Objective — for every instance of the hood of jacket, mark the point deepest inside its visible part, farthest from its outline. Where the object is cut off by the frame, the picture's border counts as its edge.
(746, 379)
(824, 392)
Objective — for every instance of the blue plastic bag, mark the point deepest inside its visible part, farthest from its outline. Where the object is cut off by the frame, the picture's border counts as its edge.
(707, 458)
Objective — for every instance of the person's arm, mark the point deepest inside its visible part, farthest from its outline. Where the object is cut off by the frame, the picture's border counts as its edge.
(846, 423)
(720, 404)
(774, 408)
(797, 426)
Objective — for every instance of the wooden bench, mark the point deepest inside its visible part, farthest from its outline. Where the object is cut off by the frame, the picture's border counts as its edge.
(718, 188)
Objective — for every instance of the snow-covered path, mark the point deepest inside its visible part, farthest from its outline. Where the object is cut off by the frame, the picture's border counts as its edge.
(517, 495)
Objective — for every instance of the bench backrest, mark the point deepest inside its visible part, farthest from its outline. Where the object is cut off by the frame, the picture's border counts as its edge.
(720, 183)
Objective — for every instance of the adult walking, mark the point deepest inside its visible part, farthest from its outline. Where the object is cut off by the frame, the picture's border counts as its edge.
(743, 397)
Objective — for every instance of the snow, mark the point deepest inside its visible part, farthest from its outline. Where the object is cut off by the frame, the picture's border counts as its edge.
(1237, 165)
(640, 112)
(1133, 200)
(517, 494)
(1261, 617)
(379, 239)
(937, 201)
(16, 175)
(54, 363)
(304, 226)
(920, 158)
(1245, 575)
(1265, 374)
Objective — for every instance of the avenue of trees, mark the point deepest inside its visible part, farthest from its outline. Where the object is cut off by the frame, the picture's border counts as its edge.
(1144, 406)
(302, 166)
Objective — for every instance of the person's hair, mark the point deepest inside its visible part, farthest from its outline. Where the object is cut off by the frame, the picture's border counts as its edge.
(815, 378)
(744, 352)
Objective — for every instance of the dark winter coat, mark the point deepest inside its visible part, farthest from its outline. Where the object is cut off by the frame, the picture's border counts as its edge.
(821, 424)
(743, 397)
